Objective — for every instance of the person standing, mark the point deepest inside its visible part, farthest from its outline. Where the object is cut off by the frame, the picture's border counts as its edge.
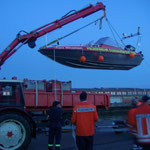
(84, 117)
(55, 118)
(139, 120)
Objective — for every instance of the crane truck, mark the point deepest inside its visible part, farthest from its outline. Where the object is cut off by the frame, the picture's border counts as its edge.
(24, 102)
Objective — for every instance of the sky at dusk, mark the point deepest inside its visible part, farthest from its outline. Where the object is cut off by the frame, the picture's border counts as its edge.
(125, 16)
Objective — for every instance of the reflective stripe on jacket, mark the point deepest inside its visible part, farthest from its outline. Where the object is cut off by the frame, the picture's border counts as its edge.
(143, 128)
(141, 123)
(84, 116)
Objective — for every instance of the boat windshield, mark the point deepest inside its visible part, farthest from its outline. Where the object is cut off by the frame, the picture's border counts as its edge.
(108, 41)
(105, 41)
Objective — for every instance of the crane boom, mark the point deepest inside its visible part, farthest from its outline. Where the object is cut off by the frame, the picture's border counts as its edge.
(31, 37)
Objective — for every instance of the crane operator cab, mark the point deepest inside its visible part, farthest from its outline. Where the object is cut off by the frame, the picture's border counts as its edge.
(11, 93)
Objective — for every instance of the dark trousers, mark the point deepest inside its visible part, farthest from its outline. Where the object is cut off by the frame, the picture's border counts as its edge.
(145, 147)
(84, 142)
(54, 138)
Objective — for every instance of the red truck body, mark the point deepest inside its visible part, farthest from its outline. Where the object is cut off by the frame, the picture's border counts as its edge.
(39, 95)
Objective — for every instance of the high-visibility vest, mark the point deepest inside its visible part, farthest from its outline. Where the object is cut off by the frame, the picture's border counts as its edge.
(139, 120)
(143, 128)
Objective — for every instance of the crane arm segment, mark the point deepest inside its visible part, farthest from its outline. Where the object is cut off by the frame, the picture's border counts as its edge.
(31, 37)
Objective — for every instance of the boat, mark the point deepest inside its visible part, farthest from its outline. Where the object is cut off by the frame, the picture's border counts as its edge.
(104, 54)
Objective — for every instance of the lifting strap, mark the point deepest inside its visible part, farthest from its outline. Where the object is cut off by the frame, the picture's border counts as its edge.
(112, 29)
(57, 40)
(55, 80)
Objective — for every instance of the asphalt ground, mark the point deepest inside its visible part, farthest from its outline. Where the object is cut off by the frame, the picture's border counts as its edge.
(104, 139)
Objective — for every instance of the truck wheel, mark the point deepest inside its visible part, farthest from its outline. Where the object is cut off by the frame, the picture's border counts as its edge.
(15, 132)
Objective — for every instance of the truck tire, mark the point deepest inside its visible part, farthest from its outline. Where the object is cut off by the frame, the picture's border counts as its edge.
(67, 119)
(15, 132)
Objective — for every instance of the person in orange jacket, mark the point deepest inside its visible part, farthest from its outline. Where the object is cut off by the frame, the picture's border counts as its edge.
(84, 117)
(139, 121)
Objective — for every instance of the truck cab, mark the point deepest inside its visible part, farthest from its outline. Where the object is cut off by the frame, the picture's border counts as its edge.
(16, 125)
(11, 93)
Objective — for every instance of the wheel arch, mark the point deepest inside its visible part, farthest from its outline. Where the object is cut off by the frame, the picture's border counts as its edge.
(22, 113)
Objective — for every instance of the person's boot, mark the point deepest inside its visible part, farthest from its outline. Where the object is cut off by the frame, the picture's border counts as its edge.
(50, 146)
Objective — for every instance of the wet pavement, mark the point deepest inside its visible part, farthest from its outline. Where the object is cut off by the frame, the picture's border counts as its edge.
(104, 139)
